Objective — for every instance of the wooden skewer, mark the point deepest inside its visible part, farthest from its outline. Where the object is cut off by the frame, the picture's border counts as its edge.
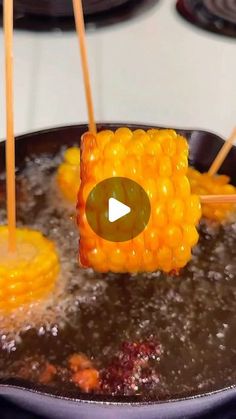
(10, 143)
(80, 27)
(221, 156)
(218, 199)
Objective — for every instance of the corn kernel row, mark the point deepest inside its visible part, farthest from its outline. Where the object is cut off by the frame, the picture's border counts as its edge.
(201, 184)
(68, 174)
(158, 161)
(28, 274)
(205, 184)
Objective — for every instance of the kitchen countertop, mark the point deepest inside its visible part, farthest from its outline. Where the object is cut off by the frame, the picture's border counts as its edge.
(156, 69)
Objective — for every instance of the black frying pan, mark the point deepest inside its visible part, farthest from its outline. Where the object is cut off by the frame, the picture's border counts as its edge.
(203, 148)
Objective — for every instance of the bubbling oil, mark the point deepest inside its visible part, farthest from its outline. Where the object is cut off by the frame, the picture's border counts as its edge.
(41, 207)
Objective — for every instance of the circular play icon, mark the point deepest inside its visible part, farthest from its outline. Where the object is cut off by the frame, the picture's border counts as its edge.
(118, 209)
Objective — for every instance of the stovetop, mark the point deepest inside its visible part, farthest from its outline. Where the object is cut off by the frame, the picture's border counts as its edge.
(98, 13)
(10, 411)
(217, 16)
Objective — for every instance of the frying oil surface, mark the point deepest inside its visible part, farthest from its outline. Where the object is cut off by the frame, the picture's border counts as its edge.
(38, 208)
(192, 316)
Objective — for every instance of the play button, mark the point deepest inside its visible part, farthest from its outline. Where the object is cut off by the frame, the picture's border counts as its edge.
(118, 209)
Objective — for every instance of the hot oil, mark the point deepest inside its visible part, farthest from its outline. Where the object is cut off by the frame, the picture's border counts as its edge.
(39, 207)
(192, 316)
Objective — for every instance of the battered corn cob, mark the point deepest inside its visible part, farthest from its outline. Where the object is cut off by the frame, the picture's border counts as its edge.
(68, 174)
(158, 161)
(205, 184)
(28, 274)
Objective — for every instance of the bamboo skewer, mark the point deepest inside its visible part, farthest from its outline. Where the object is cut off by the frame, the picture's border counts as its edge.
(10, 142)
(80, 27)
(218, 199)
(221, 156)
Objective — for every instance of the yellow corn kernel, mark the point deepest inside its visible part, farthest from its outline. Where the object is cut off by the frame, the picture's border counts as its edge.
(205, 184)
(29, 273)
(68, 174)
(157, 160)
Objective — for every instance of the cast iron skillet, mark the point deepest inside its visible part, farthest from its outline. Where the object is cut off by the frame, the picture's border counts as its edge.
(203, 148)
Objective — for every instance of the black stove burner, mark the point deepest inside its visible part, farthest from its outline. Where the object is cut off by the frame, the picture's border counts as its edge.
(217, 16)
(63, 8)
(225, 9)
(47, 15)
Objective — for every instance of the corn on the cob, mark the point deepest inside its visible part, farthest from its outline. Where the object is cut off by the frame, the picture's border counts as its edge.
(158, 161)
(205, 184)
(68, 174)
(29, 273)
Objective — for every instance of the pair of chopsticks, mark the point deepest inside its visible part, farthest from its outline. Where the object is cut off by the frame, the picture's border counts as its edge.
(10, 143)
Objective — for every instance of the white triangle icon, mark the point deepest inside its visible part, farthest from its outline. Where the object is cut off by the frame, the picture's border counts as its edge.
(117, 210)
